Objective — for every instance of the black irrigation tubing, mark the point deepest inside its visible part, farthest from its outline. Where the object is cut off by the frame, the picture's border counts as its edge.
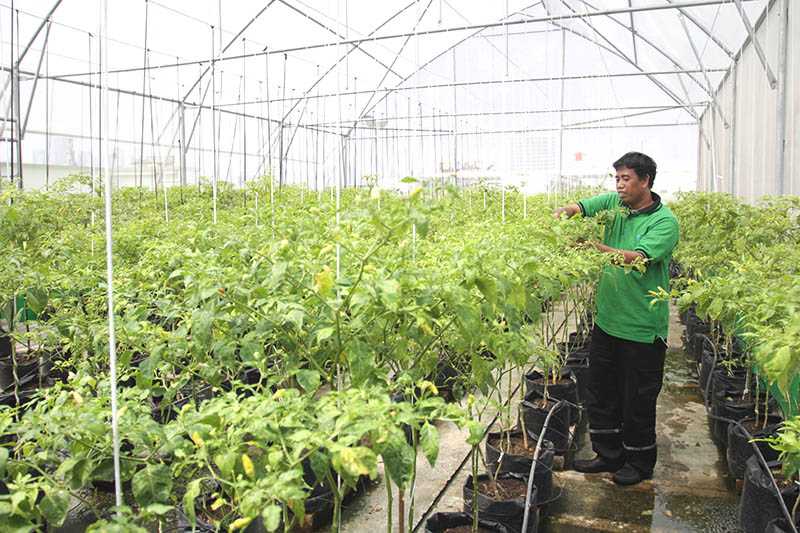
(533, 465)
(787, 514)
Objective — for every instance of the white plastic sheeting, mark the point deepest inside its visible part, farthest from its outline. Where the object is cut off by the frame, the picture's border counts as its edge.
(622, 92)
(746, 154)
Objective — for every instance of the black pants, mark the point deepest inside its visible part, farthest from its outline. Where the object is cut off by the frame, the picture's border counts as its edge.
(625, 378)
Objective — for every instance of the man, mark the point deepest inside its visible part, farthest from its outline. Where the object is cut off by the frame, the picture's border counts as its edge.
(629, 340)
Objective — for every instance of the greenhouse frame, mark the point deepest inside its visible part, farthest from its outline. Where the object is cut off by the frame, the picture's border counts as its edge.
(339, 265)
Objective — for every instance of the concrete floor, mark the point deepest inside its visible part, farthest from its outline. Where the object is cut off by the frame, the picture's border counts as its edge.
(691, 490)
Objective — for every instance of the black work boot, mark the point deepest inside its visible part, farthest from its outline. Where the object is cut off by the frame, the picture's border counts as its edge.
(597, 464)
(630, 475)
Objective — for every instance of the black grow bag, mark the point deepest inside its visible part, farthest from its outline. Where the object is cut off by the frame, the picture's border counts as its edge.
(440, 522)
(565, 389)
(521, 464)
(509, 513)
(706, 366)
(781, 525)
(579, 366)
(759, 504)
(534, 416)
(739, 449)
(731, 408)
(732, 382)
(26, 370)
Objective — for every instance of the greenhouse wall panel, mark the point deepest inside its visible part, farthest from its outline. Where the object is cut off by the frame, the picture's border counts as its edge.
(742, 157)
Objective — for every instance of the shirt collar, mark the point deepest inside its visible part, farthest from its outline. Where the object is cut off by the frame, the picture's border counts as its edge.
(650, 208)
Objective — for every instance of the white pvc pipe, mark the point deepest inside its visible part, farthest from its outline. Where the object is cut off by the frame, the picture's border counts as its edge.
(112, 343)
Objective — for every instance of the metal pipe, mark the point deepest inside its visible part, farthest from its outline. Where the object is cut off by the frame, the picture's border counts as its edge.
(783, 44)
(437, 31)
(213, 55)
(492, 82)
(699, 60)
(773, 82)
(526, 112)
(705, 30)
(35, 83)
(536, 130)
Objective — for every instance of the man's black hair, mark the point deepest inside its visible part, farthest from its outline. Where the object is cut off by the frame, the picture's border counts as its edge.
(642, 164)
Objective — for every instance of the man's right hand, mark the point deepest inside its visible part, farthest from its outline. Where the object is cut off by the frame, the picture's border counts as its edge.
(570, 210)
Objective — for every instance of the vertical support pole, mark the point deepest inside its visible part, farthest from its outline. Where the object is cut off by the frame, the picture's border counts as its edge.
(281, 170)
(561, 112)
(183, 147)
(269, 121)
(455, 117)
(732, 148)
(410, 160)
(244, 119)
(783, 43)
(215, 170)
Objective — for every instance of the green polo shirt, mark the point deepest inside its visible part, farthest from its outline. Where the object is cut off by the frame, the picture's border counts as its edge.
(624, 305)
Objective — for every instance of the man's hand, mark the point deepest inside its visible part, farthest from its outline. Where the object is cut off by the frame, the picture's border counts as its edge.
(570, 210)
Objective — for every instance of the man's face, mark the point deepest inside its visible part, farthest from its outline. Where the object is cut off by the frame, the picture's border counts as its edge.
(629, 186)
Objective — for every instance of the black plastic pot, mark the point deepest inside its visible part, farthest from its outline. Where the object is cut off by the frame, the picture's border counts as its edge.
(521, 464)
(565, 389)
(5, 345)
(446, 381)
(506, 512)
(730, 407)
(781, 525)
(759, 504)
(739, 449)
(25, 371)
(440, 522)
(578, 364)
(706, 366)
(731, 381)
(534, 416)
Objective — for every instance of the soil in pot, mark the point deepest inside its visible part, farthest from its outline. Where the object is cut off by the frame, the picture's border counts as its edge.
(517, 459)
(533, 412)
(739, 449)
(460, 522)
(566, 388)
(502, 500)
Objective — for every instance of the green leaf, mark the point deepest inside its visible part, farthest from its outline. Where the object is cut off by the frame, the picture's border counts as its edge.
(152, 484)
(398, 458)
(354, 462)
(192, 492)
(487, 288)
(201, 327)
(159, 509)
(429, 441)
(296, 317)
(3, 462)
(308, 379)
(323, 282)
(475, 433)
(409, 179)
(36, 300)
(325, 333)
(271, 517)
(390, 292)
(54, 506)
(226, 462)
